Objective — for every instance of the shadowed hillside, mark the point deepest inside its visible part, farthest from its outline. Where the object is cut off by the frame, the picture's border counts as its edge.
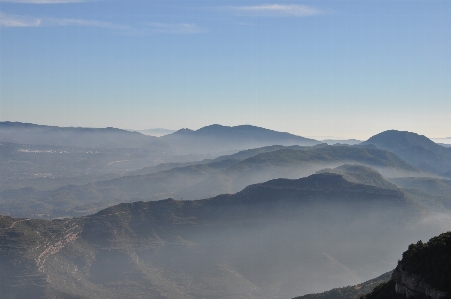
(277, 239)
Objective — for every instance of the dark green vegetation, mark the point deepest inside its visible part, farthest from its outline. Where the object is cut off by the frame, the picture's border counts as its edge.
(416, 149)
(226, 174)
(350, 292)
(423, 264)
(276, 239)
(386, 291)
(424, 272)
(431, 260)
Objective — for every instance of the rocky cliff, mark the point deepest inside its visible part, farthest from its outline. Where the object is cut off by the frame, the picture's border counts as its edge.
(414, 285)
(423, 272)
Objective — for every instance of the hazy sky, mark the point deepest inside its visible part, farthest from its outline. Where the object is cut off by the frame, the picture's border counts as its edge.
(345, 69)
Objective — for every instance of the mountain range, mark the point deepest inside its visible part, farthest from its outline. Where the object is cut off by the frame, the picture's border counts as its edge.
(415, 149)
(283, 217)
(260, 242)
(227, 174)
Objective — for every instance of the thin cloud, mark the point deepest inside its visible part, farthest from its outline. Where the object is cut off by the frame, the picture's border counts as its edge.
(11, 20)
(43, 1)
(183, 28)
(295, 10)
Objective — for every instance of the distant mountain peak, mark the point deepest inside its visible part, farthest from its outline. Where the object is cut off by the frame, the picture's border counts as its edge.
(402, 139)
(415, 149)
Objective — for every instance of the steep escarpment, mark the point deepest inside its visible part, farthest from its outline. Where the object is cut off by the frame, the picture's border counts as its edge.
(426, 268)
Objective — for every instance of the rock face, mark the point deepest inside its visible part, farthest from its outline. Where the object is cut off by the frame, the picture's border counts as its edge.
(413, 285)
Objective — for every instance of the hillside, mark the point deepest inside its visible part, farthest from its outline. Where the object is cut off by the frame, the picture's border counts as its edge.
(217, 138)
(47, 167)
(361, 174)
(228, 246)
(350, 292)
(428, 191)
(26, 133)
(207, 179)
(416, 149)
(423, 272)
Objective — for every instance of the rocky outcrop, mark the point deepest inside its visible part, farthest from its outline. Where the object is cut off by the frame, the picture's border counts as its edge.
(413, 285)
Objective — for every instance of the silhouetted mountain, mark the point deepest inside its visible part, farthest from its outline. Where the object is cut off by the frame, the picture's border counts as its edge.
(216, 138)
(276, 239)
(26, 133)
(416, 149)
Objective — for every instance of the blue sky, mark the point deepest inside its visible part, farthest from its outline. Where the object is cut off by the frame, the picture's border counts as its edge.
(344, 69)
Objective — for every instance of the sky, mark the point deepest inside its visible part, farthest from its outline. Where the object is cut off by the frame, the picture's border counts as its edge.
(323, 69)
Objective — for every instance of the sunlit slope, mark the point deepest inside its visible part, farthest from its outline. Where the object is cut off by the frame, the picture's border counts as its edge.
(281, 238)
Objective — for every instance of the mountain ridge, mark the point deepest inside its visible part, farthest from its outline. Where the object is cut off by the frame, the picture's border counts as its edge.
(415, 149)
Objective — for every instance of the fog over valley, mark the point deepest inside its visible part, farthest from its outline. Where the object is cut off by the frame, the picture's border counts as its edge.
(225, 149)
(274, 221)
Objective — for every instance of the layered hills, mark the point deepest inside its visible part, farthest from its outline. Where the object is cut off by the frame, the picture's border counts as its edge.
(227, 174)
(260, 242)
(26, 133)
(206, 140)
(415, 149)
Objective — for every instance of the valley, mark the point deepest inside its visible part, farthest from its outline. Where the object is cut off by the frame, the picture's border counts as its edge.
(276, 221)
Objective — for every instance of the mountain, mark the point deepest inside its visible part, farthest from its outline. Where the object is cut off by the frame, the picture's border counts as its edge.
(350, 292)
(239, 156)
(217, 138)
(430, 192)
(227, 174)
(415, 149)
(47, 167)
(291, 163)
(71, 200)
(157, 132)
(342, 141)
(361, 175)
(276, 239)
(423, 272)
(26, 133)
